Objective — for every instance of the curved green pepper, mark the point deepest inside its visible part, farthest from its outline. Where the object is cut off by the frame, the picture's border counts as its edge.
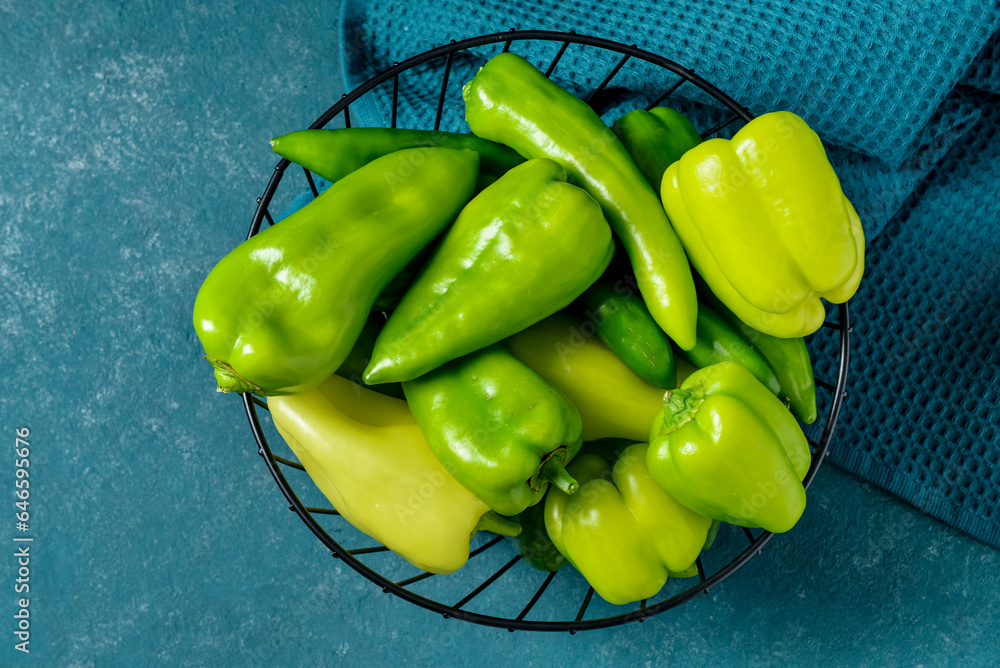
(788, 357)
(497, 427)
(534, 544)
(521, 250)
(655, 139)
(718, 342)
(613, 401)
(728, 449)
(335, 153)
(281, 312)
(621, 530)
(625, 326)
(510, 101)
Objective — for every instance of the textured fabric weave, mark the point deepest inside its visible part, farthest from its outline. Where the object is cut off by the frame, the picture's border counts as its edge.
(904, 96)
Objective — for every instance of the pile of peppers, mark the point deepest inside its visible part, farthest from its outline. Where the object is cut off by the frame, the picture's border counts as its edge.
(587, 338)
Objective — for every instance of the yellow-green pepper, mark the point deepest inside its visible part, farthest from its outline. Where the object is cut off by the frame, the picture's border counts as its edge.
(613, 401)
(366, 454)
(727, 448)
(621, 530)
(764, 221)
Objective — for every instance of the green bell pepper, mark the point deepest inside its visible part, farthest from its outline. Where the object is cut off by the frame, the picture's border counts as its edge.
(727, 448)
(533, 543)
(613, 401)
(788, 357)
(655, 139)
(281, 312)
(521, 250)
(497, 426)
(718, 341)
(621, 530)
(511, 102)
(625, 325)
(335, 153)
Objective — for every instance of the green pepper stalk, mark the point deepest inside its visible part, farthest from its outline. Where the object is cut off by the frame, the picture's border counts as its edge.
(655, 139)
(625, 325)
(727, 448)
(281, 312)
(335, 153)
(498, 427)
(521, 250)
(622, 531)
(511, 102)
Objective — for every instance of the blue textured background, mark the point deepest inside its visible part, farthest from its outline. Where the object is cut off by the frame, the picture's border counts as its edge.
(134, 145)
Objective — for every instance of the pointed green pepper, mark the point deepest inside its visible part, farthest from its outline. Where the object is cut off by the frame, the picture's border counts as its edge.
(281, 312)
(522, 249)
(511, 102)
(333, 153)
(497, 427)
(624, 324)
(534, 544)
(727, 448)
(655, 139)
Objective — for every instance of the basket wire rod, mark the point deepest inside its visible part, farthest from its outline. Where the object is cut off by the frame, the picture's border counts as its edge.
(724, 124)
(267, 215)
(585, 605)
(486, 583)
(395, 97)
(749, 535)
(506, 45)
(262, 404)
(415, 578)
(642, 604)
(318, 511)
(534, 599)
(611, 75)
(831, 325)
(701, 570)
(825, 385)
(444, 90)
(667, 93)
(312, 184)
(555, 61)
(265, 199)
(814, 444)
(347, 113)
(424, 576)
(287, 462)
(368, 550)
(838, 395)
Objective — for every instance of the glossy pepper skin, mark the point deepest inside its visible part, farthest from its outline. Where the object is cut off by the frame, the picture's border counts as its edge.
(621, 530)
(533, 542)
(281, 312)
(765, 222)
(719, 341)
(521, 250)
(511, 102)
(788, 357)
(625, 325)
(366, 454)
(614, 402)
(728, 449)
(655, 139)
(497, 426)
(336, 152)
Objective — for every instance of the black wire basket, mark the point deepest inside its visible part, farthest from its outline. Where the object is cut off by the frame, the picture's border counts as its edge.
(485, 591)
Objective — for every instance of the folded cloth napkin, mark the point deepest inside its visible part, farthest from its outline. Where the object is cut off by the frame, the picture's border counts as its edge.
(905, 95)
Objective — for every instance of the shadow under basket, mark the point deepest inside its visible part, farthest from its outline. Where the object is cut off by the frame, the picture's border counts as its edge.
(496, 588)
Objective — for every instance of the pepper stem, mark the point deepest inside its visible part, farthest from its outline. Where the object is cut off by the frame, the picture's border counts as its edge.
(496, 523)
(230, 380)
(553, 471)
(679, 407)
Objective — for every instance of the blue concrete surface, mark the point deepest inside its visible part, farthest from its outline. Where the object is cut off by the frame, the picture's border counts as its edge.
(134, 145)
